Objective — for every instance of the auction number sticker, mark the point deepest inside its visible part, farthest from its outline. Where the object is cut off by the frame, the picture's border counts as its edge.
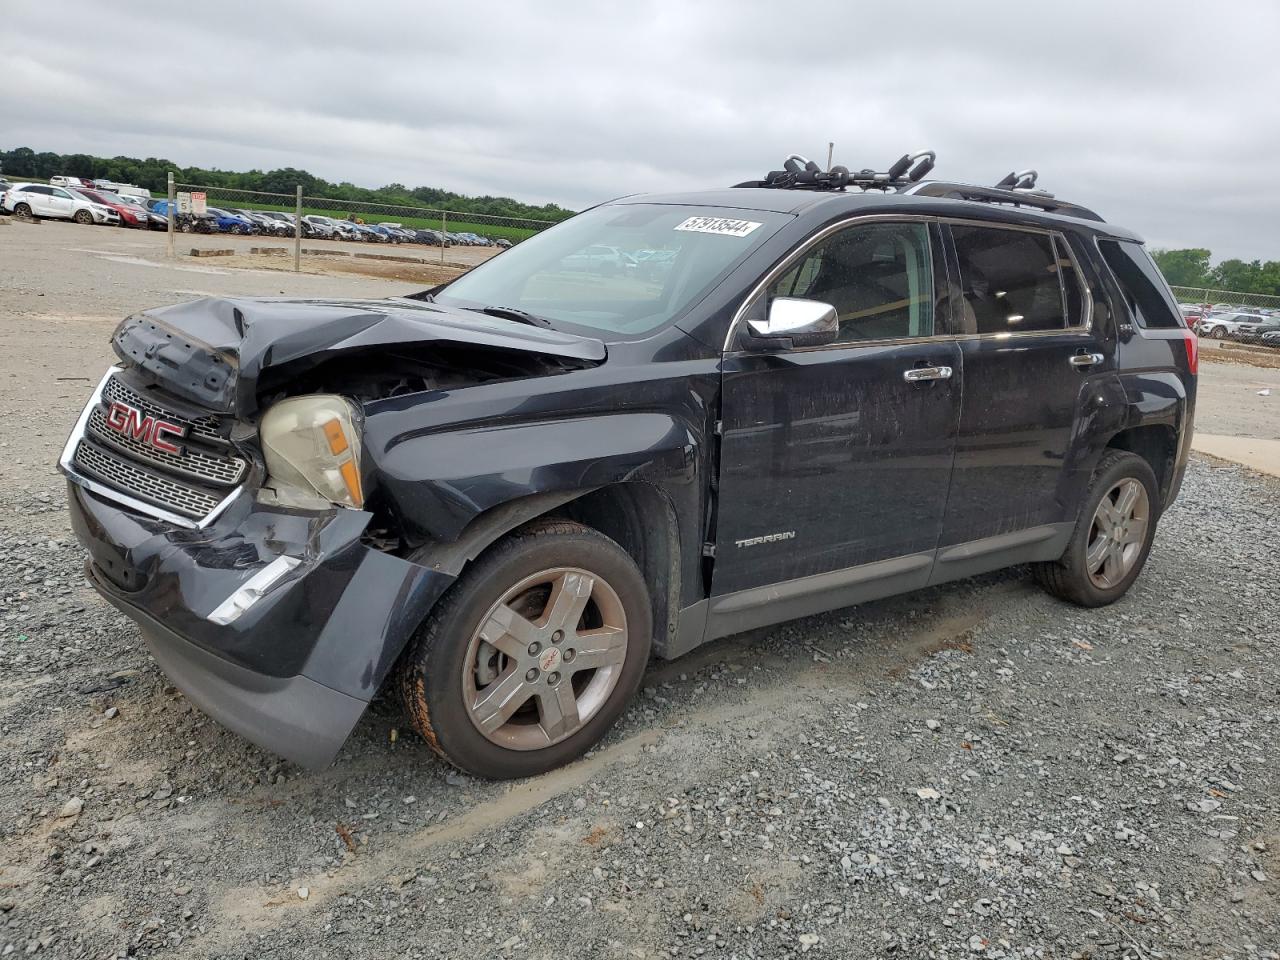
(720, 225)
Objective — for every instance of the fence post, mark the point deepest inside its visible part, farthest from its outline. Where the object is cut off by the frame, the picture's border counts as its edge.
(444, 231)
(173, 200)
(297, 233)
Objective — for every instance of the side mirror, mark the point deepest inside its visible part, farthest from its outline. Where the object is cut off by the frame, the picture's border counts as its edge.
(793, 322)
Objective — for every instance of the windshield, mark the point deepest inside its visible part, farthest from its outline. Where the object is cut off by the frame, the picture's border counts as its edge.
(625, 269)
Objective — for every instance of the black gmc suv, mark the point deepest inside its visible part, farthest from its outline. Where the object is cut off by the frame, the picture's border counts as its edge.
(666, 420)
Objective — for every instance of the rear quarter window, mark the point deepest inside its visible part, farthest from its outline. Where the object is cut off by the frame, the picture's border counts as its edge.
(1144, 288)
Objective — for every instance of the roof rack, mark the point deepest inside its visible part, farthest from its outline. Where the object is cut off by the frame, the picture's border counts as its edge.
(906, 176)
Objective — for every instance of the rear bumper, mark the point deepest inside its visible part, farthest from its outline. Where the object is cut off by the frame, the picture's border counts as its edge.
(295, 670)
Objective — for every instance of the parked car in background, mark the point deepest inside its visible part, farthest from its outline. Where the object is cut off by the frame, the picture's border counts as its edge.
(43, 200)
(266, 225)
(502, 242)
(185, 222)
(1255, 331)
(1271, 339)
(367, 233)
(434, 237)
(383, 234)
(1220, 326)
(66, 181)
(131, 215)
(320, 226)
(155, 221)
(229, 222)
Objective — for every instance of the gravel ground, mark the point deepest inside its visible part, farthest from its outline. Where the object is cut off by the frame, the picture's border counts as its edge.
(974, 770)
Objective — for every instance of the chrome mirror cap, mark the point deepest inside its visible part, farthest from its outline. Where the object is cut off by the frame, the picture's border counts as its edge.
(794, 322)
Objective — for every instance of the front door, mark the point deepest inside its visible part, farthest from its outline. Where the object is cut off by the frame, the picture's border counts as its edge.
(1032, 365)
(839, 456)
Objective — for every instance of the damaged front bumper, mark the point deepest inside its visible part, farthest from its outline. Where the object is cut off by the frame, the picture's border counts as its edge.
(280, 624)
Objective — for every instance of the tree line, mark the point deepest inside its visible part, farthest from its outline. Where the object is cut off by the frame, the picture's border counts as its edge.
(153, 173)
(1191, 268)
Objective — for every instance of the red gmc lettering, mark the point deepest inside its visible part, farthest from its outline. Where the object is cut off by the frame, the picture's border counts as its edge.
(131, 422)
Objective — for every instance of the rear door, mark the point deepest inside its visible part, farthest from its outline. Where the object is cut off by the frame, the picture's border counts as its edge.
(60, 203)
(839, 456)
(1032, 359)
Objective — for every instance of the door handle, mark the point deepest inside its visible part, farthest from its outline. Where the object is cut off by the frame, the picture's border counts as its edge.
(1086, 359)
(917, 374)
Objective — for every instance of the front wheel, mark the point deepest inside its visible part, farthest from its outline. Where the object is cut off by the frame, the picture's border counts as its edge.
(84, 216)
(1218, 333)
(1112, 537)
(532, 655)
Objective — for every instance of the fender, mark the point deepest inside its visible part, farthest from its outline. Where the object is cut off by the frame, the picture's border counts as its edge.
(437, 483)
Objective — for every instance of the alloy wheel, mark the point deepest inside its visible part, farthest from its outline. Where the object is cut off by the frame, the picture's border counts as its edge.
(1118, 532)
(545, 658)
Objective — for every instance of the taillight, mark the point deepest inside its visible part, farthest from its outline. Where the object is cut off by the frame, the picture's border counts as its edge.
(1193, 351)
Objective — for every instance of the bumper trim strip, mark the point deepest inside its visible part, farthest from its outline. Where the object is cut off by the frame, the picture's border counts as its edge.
(253, 590)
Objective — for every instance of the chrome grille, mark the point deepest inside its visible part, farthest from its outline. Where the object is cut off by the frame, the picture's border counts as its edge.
(144, 484)
(225, 471)
(202, 428)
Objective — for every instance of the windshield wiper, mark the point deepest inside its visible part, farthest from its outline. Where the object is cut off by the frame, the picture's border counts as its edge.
(519, 316)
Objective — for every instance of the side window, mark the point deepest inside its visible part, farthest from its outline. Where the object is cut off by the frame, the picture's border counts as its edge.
(1145, 291)
(43, 191)
(1010, 280)
(878, 276)
(61, 194)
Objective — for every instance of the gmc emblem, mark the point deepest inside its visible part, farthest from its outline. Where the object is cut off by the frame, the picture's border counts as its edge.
(131, 422)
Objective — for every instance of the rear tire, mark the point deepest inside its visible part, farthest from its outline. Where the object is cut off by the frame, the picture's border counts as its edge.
(533, 654)
(1110, 543)
(22, 211)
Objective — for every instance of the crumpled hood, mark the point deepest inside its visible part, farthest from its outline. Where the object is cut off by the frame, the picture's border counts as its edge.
(214, 351)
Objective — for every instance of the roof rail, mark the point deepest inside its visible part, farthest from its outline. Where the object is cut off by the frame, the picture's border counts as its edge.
(1017, 189)
(1021, 197)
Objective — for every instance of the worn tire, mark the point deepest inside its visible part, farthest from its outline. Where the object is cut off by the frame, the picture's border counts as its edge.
(84, 217)
(1068, 577)
(429, 678)
(22, 211)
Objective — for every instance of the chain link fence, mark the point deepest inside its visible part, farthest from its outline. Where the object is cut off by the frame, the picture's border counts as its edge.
(365, 213)
(298, 217)
(1262, 331)
(1234, 298)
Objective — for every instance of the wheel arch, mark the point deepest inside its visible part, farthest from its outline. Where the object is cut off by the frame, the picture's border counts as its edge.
(1156, 443)
(636, 514)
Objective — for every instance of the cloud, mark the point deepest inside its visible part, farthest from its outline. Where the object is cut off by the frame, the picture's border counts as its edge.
(1151, 112)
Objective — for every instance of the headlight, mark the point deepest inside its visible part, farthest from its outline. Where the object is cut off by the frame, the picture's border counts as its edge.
(312, 443)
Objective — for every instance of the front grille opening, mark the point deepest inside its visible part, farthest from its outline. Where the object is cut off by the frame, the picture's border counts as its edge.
(190, 484)
(111, 468)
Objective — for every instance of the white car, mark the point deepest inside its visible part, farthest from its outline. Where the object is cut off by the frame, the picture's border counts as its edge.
(39, 200)
(1221, 325)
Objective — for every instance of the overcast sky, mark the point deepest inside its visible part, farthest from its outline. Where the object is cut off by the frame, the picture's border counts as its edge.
(1164, 115)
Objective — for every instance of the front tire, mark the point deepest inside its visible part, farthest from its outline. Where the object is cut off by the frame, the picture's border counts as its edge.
(532, 655)
(1218, 333)
(84, 217)
(1112, 537)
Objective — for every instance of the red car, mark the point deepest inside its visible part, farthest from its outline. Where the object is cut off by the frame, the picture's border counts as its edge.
(131, 215)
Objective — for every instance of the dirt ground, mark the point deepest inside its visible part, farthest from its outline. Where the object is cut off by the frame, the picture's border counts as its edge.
(969, 771)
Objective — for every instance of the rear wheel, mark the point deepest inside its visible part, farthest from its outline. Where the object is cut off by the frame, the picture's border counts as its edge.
(83, 216)
(22, 211)
(533, 653)
(1113, 534)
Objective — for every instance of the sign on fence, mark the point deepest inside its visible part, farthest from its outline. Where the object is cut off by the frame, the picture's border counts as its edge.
(184, 202)
(198, 205)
